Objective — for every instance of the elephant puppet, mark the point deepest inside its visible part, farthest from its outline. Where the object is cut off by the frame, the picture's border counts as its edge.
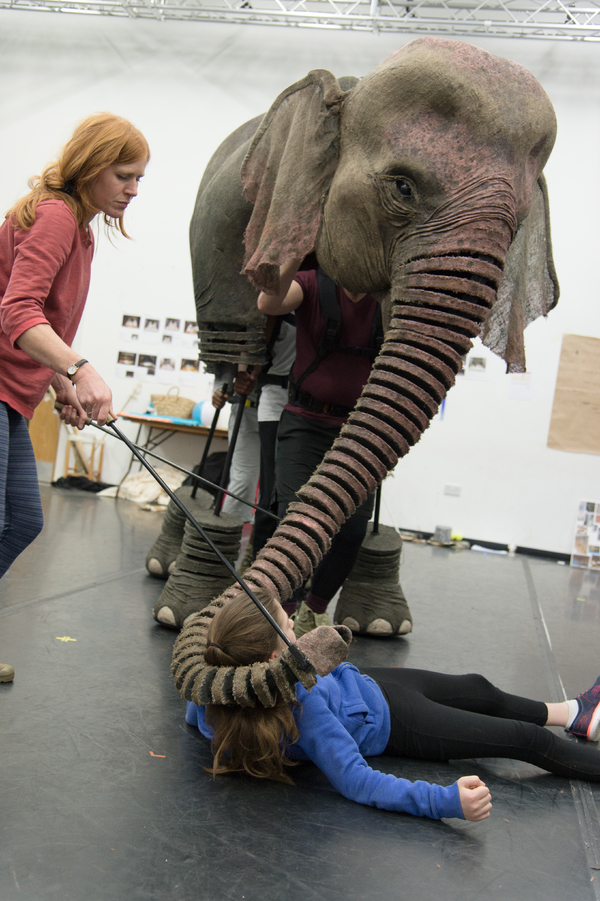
(422, 184)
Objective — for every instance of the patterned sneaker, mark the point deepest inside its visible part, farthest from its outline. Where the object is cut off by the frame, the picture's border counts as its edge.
(587, 722)
(305, 620)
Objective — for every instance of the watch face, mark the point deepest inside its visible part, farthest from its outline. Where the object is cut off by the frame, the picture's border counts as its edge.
(75, 367)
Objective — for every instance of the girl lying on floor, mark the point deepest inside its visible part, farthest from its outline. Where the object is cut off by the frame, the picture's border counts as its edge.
(350, 715)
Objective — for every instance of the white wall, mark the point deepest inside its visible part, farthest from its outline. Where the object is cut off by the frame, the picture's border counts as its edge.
(187, 85)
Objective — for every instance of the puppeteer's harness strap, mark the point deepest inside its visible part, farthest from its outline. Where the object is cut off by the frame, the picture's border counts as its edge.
(329, 342)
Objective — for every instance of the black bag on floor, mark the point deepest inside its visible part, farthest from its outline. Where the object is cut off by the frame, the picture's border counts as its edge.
(213, 471)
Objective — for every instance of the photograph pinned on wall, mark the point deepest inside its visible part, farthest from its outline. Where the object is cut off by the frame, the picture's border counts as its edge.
(172, 332)
(126, 361)
(190, 333)
(146, 367)
(476, 368)
(167, 370)
(151, 332)
(189, 371)
(586, 542)
(130, 327)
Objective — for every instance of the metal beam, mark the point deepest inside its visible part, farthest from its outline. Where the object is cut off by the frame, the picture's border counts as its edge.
(550, 20)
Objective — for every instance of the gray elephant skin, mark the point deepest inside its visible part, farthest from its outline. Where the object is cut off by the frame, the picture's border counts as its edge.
(421, 184)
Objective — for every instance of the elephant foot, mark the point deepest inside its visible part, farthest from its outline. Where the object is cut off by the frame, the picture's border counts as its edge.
(165, 616)
(371, 608)
(198, 576)
(161, 568)
(371, 601)
(380, 627)
(184, 594)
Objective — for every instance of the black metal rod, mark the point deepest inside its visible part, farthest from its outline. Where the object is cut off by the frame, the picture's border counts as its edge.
(208, 443)
(193, 475)
(297, 653)
(377, 509)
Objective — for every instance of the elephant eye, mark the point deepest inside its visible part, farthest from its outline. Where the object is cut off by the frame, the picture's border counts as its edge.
(403, 187)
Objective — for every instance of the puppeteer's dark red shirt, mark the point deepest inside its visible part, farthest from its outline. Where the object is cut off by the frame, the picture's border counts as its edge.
(339, 378)
(44, 279)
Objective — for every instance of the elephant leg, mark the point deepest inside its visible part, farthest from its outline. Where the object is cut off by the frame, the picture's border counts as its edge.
(161, 557)
(372, 601)
(198, 577)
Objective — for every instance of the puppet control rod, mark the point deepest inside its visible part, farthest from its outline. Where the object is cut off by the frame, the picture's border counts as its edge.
(193, 475)
(294, 650)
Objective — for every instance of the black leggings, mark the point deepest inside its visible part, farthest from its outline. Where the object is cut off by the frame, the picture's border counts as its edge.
(301, 446)
(439, 717)
(264, 525)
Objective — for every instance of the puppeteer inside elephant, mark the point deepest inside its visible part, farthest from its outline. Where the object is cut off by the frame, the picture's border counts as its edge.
(422, 183)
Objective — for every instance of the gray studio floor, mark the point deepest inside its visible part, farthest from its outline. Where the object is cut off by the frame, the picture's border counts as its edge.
(103, 795)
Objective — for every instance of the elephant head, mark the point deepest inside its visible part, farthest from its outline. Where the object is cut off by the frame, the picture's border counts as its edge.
(415, 184)
(422, 184)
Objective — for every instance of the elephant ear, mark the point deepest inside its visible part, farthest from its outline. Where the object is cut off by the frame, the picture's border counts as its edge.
(286, 174)
(529, 287)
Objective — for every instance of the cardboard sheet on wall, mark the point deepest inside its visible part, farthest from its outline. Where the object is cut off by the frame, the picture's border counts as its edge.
(575, 422)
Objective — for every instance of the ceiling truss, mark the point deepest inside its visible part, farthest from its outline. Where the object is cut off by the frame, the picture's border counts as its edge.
(553, 19)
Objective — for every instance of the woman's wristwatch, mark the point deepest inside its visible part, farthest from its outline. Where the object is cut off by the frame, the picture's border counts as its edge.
(74, 368)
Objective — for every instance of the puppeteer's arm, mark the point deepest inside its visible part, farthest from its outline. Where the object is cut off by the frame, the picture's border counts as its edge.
(41, 343)
(290, 294)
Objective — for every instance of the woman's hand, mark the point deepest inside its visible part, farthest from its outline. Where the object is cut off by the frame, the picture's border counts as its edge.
(475, 798)
(72, 412)
(93, 394)
(94, 397)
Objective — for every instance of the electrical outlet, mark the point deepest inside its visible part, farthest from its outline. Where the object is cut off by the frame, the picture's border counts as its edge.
(452, 490)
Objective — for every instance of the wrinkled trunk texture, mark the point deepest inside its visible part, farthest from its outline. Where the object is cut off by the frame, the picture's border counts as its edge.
(438, 307)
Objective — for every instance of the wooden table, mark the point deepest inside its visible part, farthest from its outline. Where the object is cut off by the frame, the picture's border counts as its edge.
(160, 429)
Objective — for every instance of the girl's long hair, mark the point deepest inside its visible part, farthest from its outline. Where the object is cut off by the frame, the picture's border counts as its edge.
(98, 142)
(248, 739)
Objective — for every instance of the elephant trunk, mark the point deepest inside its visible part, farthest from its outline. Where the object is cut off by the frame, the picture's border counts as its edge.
(438, 306)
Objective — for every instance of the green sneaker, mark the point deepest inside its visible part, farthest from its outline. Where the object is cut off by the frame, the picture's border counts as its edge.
(306, 620)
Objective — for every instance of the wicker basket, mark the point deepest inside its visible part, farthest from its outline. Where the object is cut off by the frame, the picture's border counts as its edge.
(172, 405)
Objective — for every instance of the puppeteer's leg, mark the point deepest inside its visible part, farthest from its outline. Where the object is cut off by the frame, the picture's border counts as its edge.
(21, 517)
(264, 525)
(245, 467)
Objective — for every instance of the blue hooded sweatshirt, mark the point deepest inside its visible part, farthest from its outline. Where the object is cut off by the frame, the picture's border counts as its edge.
(342, 720)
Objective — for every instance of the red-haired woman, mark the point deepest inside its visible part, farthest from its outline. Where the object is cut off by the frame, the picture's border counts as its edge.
(46, 250)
